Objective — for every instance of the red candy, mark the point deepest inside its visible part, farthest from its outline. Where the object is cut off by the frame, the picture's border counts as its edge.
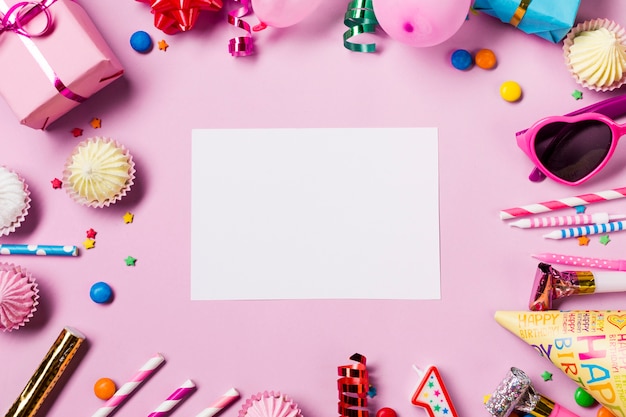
(386, 412)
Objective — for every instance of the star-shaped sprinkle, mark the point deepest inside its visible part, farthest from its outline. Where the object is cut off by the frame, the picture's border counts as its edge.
(547, 376)
(583, 241)
(605, 240)
(76, 132)
(580, 209)
(486, 398)
(96, 123)
(91, 234)
(89, 243)
(128, 217)
(577, 94)
(56, 183)
(163, 45)
(130, 261)
(371, 392)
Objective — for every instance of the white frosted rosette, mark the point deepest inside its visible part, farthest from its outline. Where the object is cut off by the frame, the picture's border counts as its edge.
(595, 54)
(99, 172)
(270, 404)
(14, 201)
(19, 296)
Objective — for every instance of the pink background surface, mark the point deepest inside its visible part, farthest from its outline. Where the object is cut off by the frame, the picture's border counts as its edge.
(300, 77)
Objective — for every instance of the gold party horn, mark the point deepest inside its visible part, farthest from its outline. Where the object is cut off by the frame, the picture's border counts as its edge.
(46, 376)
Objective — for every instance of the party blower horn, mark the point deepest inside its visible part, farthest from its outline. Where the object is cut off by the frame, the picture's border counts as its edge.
(551, 285)
(516, 393)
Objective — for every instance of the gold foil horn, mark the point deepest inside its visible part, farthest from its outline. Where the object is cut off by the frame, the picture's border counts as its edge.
(47, 374)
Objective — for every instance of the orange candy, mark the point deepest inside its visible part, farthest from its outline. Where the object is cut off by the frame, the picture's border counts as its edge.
(104, 388)
(485, 59)
(604, 412)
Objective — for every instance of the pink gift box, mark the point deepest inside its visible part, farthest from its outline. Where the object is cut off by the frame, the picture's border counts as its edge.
(43, 77)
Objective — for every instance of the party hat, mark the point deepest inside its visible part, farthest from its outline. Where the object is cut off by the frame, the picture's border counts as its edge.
(589, 346)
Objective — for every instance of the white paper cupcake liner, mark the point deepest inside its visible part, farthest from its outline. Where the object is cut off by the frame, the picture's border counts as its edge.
(22, 216)
(591, 25)
(74, 194)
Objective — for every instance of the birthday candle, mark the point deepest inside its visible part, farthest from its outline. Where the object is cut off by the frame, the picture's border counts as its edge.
(586, 230)
(596, 218)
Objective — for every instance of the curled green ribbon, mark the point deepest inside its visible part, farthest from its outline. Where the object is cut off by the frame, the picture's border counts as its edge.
(359, 18)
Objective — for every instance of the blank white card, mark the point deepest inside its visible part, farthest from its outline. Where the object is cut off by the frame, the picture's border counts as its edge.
(315, 214)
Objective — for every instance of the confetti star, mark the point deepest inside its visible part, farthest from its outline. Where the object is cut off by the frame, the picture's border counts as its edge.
(371, 392)
(77, 132)
(577, 94)
(89, 243)
(547, 376)
(96, 123)
(128, 217)
(605, 240)
(163, 45)
(583, 241)
(56, 183)
(91, 234)
(580, 209)
(130, 261)
(486, 398)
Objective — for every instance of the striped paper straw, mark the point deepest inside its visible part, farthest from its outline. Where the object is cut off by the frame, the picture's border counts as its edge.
(174, 399)
(551, 205)
(224, 401)
(41, 250)
(128, 388)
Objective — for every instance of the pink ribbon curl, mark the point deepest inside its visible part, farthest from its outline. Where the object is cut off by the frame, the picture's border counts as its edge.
(241, 45)
(15, 19)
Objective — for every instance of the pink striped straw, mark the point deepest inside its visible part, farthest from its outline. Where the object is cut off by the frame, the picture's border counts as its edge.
(174, 399)
(128, 388)
(224, 401)
(551, 205)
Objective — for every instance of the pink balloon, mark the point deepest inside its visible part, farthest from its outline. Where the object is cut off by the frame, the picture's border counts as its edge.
(421, 23)
(283, 13)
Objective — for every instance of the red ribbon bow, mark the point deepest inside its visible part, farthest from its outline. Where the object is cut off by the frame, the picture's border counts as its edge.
(172, 16)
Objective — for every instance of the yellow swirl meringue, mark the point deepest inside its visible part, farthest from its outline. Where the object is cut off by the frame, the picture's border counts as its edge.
(98, 172)
(597, 57)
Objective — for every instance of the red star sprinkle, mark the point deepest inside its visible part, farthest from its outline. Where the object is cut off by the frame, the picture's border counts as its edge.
(77, 132)
(91, 234)
(56, 183)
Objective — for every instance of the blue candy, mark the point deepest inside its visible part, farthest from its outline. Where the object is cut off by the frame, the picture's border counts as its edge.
(101, 292)
(461, 59)
(141, 41)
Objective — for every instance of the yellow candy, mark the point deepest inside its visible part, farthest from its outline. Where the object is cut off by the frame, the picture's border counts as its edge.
(104, 388)
(510, 91)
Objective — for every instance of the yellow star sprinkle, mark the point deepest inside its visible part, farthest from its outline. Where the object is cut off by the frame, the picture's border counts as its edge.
(163, 45)
(96, 123)
(583, 241)
(128, 217)
(486, 398)
(89, 243)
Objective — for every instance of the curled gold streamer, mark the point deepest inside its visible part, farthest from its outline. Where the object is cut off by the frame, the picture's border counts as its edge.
(359, 18)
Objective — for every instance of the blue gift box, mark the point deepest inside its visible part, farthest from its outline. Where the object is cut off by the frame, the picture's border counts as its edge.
(549, 19)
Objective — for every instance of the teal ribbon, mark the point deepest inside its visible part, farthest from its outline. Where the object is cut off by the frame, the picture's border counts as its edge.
(359, 18)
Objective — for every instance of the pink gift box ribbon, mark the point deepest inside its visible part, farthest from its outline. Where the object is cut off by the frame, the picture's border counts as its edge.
(14, 19)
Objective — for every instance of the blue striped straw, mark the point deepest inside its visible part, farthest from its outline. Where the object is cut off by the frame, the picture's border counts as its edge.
(592, 229)
(41, 250)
